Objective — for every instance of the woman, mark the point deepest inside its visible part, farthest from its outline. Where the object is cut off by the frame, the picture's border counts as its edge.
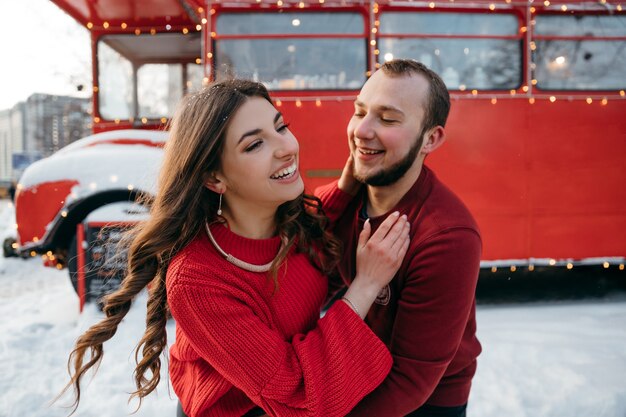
(237, 253)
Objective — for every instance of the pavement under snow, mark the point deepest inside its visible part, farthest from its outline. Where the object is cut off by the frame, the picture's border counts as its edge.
(562, 359)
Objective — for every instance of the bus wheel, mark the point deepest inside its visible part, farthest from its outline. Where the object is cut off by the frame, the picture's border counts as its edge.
(72, 264)
(8, 251)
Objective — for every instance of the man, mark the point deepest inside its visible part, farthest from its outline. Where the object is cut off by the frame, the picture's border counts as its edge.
(426, 316)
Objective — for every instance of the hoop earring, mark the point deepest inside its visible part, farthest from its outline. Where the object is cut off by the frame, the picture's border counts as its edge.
(219, 207)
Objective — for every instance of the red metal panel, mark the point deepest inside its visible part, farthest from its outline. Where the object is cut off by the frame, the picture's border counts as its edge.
(37, 206)
(545, 180)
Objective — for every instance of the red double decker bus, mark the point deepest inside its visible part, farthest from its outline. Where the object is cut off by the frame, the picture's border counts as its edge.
(536, 134)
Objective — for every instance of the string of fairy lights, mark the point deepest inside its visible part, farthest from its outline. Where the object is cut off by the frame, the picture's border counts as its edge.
(461, 92)
(513, 266)
(524, 92)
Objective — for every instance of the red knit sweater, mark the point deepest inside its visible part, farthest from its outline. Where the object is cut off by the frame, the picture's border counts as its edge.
(428, 319)
(240, 343)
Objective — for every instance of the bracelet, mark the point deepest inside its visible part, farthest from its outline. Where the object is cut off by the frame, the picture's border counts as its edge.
(356, 310)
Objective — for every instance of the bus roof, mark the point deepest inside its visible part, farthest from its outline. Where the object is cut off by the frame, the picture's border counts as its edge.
(148, 13)
(133, 13)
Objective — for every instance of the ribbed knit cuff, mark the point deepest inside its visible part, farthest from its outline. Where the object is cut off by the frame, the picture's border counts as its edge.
(334, 201)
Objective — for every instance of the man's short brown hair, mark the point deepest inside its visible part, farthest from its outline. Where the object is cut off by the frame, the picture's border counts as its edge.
(437, 106)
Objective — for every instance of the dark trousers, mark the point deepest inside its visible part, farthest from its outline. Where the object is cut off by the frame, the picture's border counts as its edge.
(255, 412)
(434, 411)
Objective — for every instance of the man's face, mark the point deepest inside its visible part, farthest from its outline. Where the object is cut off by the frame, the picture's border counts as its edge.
(385, 132)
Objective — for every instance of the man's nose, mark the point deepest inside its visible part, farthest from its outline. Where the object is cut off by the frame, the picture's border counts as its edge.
(363, 128)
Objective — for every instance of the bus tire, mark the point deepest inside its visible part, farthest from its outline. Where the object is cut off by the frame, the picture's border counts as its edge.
(72, 264)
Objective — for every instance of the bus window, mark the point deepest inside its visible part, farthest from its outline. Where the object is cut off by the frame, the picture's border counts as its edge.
(469, 50)
(156, 102)
(145, 76)
(318, 50)
(115, 84)
(580, 52)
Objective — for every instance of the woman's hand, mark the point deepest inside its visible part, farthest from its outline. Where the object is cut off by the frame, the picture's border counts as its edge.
(378, 258)
(347, 183)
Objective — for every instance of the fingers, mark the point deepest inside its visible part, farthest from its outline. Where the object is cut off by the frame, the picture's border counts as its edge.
(396, 232)
(364, 236)
(347, 183)
(402, 240)
(385, 227)
(349, 167)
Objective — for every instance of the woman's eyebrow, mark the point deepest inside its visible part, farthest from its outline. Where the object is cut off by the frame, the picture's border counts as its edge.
(257, 131)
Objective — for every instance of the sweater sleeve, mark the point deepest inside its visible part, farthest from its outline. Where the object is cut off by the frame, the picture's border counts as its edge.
(334, 201)
(433, 310)
(324, 372)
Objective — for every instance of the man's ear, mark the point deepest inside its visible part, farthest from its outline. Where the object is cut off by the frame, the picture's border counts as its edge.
(213, 182)
(433, 139)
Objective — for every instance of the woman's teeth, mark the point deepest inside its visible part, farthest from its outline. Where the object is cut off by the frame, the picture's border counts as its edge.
(283, 173)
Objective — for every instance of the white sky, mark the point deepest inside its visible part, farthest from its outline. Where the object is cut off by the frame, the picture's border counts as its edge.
(42, 50)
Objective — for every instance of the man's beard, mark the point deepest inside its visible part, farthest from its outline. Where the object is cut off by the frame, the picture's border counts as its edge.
(396, 171)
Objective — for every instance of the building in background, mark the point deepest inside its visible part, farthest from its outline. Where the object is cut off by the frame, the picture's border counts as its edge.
(12, 134)
(37, 128)
(55, 121)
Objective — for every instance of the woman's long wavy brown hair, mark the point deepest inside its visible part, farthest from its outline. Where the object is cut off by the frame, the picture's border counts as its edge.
(177, 214)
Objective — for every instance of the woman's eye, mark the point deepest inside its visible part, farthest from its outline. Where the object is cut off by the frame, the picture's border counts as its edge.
(357, 114)
(387, 120)
(253, 146)
(283, 127)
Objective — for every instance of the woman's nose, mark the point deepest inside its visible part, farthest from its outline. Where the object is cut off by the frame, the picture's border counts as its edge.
(288, 146)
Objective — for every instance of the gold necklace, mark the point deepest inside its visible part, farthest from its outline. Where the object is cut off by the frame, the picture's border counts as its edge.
(238, 262)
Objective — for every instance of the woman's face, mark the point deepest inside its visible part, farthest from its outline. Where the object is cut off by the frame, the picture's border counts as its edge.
(260, 158)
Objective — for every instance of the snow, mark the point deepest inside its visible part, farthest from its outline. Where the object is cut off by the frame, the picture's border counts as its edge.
(122, 211)
(105, 167)
(154, 136)
(563, 359)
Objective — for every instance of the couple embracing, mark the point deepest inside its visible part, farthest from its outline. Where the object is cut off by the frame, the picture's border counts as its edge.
(244, 261)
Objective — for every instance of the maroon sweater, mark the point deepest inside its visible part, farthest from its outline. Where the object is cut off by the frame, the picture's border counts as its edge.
(239, 343)
(427, 318)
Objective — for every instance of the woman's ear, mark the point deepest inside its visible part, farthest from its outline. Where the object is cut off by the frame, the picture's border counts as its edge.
(214, 183)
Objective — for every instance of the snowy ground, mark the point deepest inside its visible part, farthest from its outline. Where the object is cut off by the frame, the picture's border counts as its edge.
(548, 360)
